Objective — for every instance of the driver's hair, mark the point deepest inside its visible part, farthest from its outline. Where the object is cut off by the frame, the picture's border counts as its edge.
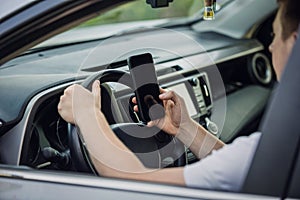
(290, 16)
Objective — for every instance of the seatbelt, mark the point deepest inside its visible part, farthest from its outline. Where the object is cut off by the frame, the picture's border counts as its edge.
(276, 156)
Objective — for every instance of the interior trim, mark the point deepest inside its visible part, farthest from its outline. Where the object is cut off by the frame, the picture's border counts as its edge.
(123, 185)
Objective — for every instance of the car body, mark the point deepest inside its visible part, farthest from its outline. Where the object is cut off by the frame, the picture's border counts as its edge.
(221, 67)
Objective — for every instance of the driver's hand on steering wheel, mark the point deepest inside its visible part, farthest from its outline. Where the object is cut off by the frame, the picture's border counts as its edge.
(77, 103)
(176, 113)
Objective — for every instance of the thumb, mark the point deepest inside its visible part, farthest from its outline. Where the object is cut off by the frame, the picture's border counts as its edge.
(97, 92)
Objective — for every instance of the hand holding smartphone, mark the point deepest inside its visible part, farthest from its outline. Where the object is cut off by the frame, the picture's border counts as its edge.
(146, 87)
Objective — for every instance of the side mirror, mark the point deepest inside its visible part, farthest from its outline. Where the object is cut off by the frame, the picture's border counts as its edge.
(158, 3)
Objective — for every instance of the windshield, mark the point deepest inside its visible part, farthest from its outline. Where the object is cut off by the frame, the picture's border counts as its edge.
(128, 17)
(140, 11)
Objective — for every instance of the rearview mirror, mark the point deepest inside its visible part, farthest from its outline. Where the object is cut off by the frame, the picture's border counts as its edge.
(158, 3)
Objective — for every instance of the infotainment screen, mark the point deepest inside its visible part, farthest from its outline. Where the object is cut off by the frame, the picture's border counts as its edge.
(181, 89)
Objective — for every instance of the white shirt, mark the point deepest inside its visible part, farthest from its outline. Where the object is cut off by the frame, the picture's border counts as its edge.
(223, 169)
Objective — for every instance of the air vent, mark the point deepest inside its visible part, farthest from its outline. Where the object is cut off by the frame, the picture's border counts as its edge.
(260, 69)
(168, 70)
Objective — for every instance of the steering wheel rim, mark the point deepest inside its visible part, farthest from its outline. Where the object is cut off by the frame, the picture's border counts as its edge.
(155, 143)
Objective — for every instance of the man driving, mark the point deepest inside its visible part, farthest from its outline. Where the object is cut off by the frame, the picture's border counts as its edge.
(222, 167)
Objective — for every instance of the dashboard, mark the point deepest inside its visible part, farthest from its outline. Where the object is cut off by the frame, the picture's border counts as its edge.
(221, 87)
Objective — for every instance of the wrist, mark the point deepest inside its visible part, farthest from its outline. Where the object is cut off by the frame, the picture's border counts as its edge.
(187, 132)
(87, 116)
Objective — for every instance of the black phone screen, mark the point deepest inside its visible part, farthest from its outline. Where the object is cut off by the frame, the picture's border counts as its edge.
(146, 87)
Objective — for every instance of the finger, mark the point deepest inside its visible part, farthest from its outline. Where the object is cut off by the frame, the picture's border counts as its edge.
(159, 123)
(59, 108)
(151, 124)
(69, 90)
(161, 90)
(165, 103)
(134, 100)
(135, 108)
(97, 92)
(169, 95)
(170, 104)
(61, 98)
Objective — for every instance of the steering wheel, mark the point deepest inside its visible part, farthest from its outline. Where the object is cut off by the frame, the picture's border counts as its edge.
(154, 147)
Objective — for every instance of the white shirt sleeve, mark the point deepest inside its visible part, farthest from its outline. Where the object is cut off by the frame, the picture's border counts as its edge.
(224, 169)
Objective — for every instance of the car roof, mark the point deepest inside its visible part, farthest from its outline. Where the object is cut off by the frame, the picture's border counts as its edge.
(13, 6)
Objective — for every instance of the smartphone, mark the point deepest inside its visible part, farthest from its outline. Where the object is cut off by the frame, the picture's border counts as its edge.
(146, 87)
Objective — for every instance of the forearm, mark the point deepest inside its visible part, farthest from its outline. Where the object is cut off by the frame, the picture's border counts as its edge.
(104, 146)
(198, 139)
(167, 176)
(112, 158)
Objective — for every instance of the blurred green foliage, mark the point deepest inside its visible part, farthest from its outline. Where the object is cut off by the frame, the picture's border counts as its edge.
(138, 10)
